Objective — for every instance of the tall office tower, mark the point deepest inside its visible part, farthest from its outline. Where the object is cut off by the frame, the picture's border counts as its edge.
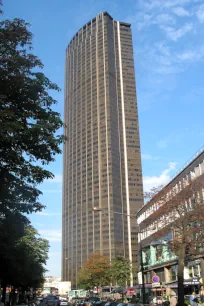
(102, 159)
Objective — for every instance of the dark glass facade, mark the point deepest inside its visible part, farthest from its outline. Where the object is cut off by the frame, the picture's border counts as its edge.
(102, 159)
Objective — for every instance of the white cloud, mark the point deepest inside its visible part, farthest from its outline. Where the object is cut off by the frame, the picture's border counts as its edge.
(57, 179)
(51, 235)
(162, 144)
(150, 182)
(192, 55)
(200, 13)
(175, 34)
(149, 157)
(180, 11)
(187, 55)
(164, 4)
(143, 20)
(159, 58)
(48, 214)
(163, 19)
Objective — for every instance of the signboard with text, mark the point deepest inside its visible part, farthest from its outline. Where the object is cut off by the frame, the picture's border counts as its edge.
(154, 285)
(192, 281)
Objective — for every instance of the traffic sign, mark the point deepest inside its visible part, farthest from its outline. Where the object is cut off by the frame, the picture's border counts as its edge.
(155, 279)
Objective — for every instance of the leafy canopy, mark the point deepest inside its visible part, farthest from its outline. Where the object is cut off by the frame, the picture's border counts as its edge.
(120, 271)
(29, 125)
(29, 141)
(24, 266)
(95, 272)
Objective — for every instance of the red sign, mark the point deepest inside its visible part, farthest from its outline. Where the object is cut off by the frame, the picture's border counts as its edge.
(131, 291)
(155, 279)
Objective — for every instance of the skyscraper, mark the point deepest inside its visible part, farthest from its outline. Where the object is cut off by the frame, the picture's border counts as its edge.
(102, 159)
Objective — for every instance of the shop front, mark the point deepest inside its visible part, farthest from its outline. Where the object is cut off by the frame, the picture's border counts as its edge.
(148, 292)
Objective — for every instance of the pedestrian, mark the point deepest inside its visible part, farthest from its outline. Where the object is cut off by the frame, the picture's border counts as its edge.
(202, 295)
(193, 299)
(173, 300)
(133, 299)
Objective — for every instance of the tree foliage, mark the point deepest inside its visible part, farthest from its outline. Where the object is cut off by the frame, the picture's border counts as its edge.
(98, 271)
(180, 209)
(120, 271)
(24, 266)
(28, 138)
(29, 141)
(95, 272)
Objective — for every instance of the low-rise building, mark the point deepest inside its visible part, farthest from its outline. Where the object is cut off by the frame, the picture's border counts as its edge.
(159, 263)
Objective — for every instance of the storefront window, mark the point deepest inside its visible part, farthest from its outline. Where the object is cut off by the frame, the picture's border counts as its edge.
(159, 252)
(196, 271)
(173, 273)
(149, 277)
(146, 256)
(190, 272)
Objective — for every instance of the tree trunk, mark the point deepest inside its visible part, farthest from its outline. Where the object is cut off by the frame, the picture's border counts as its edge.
(181, 258)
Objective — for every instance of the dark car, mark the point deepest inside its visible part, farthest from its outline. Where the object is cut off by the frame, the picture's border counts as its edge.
(92, 300)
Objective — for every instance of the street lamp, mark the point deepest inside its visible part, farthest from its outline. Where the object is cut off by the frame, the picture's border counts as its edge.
(141, 262)
(142, 266)
(98, 209)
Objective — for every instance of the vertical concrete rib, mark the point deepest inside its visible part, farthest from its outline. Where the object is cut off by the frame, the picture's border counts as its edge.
(107, 158)
(86, 117)
(92, 172)
(125, 145)
(76, 148)
(119, 140)
(82, 208)
(72, 245)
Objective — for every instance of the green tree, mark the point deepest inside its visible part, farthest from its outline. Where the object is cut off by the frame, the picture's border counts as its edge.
(120, 271)
(24, 266)
(31, 257)
(29, 138)
(95, 272)
(28, 134)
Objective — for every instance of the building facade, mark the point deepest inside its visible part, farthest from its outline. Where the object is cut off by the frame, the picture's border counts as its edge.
(158, 260)
(102, 159)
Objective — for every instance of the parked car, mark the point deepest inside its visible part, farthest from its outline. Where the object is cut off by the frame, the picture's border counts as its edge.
(63, 301)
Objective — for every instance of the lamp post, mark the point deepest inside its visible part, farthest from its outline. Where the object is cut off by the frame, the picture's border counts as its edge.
(142, 267)
(141, 261)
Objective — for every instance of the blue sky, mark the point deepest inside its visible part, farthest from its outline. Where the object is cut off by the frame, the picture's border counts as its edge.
(169, 60)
